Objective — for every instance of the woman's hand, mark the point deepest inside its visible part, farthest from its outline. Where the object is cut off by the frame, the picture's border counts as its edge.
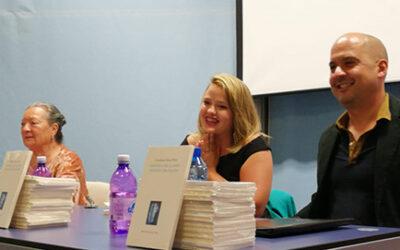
(210, 155)
(209, 152)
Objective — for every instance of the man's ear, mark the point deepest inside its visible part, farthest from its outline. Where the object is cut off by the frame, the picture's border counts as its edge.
(382, 68)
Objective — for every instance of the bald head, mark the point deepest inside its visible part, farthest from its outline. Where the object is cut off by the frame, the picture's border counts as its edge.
(372, 46)
(358, 70)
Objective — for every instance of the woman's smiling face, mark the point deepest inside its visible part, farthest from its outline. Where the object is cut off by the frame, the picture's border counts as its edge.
(215, 112)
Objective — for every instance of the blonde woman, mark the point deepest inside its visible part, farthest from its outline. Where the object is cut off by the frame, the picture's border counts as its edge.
(229, 134)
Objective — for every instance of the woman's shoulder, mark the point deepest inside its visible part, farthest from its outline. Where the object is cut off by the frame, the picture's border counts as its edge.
(68, 155)
(254, 144)
(257, 142)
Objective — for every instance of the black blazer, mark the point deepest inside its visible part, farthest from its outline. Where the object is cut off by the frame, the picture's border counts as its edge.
(386, 171)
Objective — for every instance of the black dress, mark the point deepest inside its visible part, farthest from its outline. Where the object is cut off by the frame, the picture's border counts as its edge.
(229, 165)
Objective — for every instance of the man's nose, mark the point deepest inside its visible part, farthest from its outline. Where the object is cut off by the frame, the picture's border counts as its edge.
(338, 71)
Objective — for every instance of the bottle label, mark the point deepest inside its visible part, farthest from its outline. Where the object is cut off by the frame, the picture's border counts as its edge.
(121, 208)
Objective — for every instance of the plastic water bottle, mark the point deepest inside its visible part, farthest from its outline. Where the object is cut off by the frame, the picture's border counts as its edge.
(198, 169)
(41, 169)
(123, 188)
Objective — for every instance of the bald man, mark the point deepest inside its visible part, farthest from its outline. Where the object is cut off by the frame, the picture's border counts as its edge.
(359, 156)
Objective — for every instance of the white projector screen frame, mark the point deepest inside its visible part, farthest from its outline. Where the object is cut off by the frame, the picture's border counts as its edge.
(286, 43)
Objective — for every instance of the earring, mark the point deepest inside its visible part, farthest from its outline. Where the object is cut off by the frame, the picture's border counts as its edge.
(234, 137)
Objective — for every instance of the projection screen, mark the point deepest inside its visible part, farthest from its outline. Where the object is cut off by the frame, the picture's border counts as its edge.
(286, 43)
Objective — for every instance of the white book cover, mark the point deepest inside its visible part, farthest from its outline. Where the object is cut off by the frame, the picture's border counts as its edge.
(12, 176)
(159, 199)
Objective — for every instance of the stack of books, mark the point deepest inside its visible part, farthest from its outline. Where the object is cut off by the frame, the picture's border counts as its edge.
(217, 215)
(44, 202)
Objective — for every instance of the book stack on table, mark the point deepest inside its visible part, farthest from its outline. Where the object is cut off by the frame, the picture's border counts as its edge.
(217, 215)
(44, 202)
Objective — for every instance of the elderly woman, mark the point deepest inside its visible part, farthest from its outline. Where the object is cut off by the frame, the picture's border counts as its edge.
(41, 133)
(229, 134)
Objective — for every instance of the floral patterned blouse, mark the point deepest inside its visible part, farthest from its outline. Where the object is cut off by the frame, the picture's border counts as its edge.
(67, 164)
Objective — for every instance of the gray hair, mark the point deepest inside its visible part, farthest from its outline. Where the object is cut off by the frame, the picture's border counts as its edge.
(54, 116)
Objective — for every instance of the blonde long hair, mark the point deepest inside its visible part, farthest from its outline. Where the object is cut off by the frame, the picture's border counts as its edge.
(245, 119)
